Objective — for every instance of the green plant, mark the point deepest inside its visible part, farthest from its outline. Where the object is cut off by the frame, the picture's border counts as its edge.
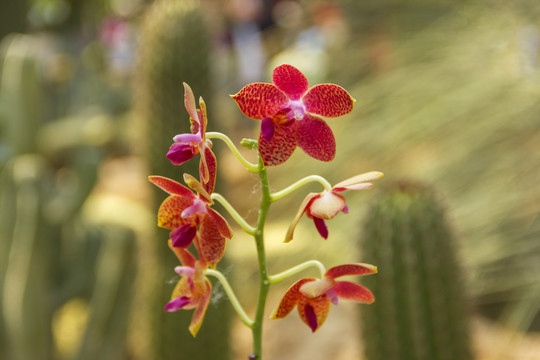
(175, 47)
(50, 252)
(421, 312)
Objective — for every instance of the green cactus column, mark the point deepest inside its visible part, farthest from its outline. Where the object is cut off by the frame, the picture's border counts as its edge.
(420, 310)
(174, 48)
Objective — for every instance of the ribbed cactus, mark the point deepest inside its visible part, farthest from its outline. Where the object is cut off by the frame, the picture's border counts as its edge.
(174, 48)
(49, 251)
(420, 310)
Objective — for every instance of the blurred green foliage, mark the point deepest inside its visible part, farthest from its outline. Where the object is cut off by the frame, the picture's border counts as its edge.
(175, 48)
(51, 252)
(447, 93)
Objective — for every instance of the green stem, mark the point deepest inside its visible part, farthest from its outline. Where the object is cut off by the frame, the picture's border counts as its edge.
(232, 296)
(274, 279)
(264, 283)
(312, 178)
(217, 135)
(234, 214)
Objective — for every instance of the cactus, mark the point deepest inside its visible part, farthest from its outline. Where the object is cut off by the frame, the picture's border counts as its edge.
(49, 251)
(175, 48)
(420, 310)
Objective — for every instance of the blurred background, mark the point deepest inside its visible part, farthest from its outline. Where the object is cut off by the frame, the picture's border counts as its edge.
(448, 107)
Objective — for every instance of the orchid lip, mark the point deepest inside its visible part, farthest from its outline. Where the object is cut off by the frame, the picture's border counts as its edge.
(177, 303)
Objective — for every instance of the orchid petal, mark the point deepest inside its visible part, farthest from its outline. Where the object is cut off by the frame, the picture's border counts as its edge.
(183, 236)
(183, 255)
(299, 213)
(267, 129)
(351, 183)
(200, 311)
(211, 242)
(177, 304)
(332, 296)
(317, 288)
(328, 100)
(260, 100)
(352, 291)
(197, 186)
(171, 186)
(313, 312)
(183, 288)
(350, 269)
(199, 287)
(290, 299)
(281, 147)
(221, 224)
(321, 227)
(208, 167)
(362, 186)
(202, 116)
(327, 206)
(170, 212)
(290, 80)
(315, 137)
(189, 103)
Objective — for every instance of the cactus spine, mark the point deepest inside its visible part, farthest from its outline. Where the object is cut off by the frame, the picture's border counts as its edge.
(420, 310)
(175, 48)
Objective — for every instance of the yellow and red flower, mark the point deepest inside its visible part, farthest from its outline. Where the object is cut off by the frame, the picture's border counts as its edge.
(290, 114)
(327, 204)
(193, 290)
(312, 297)
(186, 146)
(191, 219)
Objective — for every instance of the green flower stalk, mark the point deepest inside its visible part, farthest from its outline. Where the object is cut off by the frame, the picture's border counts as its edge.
(290, 112)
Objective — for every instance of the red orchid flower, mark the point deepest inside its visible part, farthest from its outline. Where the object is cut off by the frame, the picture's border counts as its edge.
(192, 291)
(186, 146)
(189, 217)
(327, 204)
(290, 113)
(313, 296)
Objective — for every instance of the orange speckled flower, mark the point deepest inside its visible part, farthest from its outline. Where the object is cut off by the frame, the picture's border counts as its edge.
(189, 217)
(192, 291)
(290, 114)
(313, 296)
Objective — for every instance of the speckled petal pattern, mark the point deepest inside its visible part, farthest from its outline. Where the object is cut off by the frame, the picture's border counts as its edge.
(290, 80)
(328, 100)
(315, 137)
(260, 100)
